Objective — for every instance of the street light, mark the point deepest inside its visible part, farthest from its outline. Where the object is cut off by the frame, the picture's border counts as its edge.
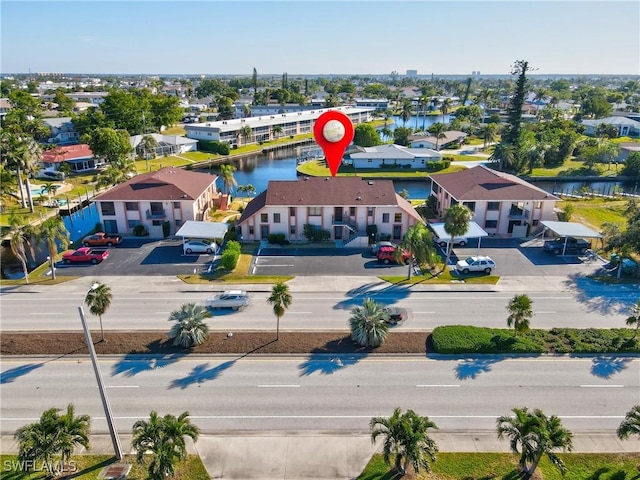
(103, 392)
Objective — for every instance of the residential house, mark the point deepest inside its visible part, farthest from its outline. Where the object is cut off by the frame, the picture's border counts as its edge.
(502, 204)
(390, 156)
(63, 132)
(626, 126)
(167, 145)
(79, 157)
(350, 208)
(426, 140)
(627, 149)
(169, 196)
(377, 103)
(5, 106)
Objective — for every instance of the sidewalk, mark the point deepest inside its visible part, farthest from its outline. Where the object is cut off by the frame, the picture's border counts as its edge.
(294, 455)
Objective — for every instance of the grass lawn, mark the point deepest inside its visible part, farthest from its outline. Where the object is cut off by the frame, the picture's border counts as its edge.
(89, 466)
(594, 212)
(575, 168)
(444, 278)
(317, 168)
(464, 158)
(469, 466)
(175, 130)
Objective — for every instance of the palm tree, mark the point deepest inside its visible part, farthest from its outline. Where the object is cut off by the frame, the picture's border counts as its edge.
(634, 318)
(456, 224)
(520, 313)
(165, 439)
(189, 329)
(39, 442)
(74, 431)
(406, 439)
(437, 130)
(148, 145)
(22, 154)
(277, 131)
(631, 424)
(20, 240)
(406, 112)
(418, 241)
(98, 299)
(445, 107)
(489, 133)
(369, 323)
(484, 95)
(53, 231)
(245, 133)
(280, 299)
(387, 133)
(49, 188)
(423, 101)
(249, 189)
(532, 435)
(504, 155)
(246, 110)
(228, 179)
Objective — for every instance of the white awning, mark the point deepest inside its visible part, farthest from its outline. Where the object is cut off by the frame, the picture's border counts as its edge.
(570, 229)
(474, 231)
(193, 229)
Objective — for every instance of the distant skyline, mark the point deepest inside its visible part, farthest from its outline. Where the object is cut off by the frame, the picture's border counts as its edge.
(364, 37)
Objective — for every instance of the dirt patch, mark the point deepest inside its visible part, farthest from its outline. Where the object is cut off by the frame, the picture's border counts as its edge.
(121, 343)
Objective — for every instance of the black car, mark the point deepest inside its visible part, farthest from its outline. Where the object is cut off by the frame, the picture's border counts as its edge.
(396, 315)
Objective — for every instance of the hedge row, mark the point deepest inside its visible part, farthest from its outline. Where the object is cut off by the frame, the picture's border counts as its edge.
(458, 339)
(230, 256)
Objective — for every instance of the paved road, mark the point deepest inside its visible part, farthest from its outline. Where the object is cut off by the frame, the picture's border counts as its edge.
(326, 392)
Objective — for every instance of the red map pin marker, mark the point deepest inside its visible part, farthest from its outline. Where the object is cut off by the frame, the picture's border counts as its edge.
(334, 132)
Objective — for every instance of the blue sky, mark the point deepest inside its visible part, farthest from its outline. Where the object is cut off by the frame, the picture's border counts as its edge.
(319, 37)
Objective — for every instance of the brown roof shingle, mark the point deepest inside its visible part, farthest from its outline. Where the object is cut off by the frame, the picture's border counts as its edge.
(482, 183)
(168, 183)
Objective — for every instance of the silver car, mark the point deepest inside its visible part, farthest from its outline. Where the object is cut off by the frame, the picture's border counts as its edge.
(235, 299)
(200, 246)
(477, 263)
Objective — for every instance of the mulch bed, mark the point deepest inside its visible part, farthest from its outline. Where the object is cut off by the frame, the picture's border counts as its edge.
(122, 343)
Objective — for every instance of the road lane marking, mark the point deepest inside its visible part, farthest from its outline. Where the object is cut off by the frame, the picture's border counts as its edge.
(278, 386)
(435, 386)
(122, 386)
(601, 386)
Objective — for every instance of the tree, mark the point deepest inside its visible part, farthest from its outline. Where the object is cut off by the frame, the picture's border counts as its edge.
(369, 323)
(74, 430)
(406, 112)
(489, 133)
(20, 240)
(456, 224)
(418, 241)
(189, 329)
(632, 165)
(147, 147)
(280, 299)
(406, 439)
(249, 189)
(276, 131)
(52, 232)
(401, 136)
(634, 318)
(532, 435)
(113, 145)
(366, 135)
(22, 154)
(437, 130)
(504, 155)
(445, 107)
(520, 313)
(631, 424)
(164, 438)
(228, 179)
(98, 299)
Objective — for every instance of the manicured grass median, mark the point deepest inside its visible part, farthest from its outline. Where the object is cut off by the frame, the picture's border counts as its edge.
(502, 466)
(445, 277)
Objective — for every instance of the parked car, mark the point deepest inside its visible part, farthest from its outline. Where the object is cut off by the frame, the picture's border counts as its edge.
(375, 248)
(101, 239)
(200, 246)
(235, 299)
(387, 255)
(443, 242)
(396, 315)
(477, 263)
(573, 245)
(85, 255)
(50, 175)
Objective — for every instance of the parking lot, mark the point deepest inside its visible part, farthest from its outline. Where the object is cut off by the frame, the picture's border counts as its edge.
(165, 257)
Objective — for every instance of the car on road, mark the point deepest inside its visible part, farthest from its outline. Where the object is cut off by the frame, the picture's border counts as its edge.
(85, 255)
(375, 248)
(477, 263)
(396, 315)
(234, 299)
(200, 246)
(569, 245)
(50, 175)
(388, 255)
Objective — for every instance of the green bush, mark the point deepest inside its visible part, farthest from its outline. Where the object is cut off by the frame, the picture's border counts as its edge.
(140, 231)
(277, 238)
(229, 259)
(213, 146)
(233, 246)
(313, 233)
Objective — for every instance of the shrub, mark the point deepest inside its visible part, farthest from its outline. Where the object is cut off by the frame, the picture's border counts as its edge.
(98, 227)
(166, 229)
(140, 231)
(229, 259)
(277, 238)
(313, 233)
(213, 146)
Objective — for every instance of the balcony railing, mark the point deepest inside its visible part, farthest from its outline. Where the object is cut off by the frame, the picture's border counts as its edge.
(156, 214)
(519, 213)
(347, 221)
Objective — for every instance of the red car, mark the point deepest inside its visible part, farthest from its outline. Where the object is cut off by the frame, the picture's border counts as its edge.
(387, 255)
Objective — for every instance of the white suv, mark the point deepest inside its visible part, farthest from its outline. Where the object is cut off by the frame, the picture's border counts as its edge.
(475, 264)
(235, 299)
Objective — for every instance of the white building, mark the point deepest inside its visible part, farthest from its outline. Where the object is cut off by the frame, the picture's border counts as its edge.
(626, 126)
(392, 155)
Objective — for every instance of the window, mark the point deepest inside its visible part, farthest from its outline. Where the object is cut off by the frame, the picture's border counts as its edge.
(369, 211)
(131, 206)
(157, 223)
(264, 217)
(276, 218)
(176, 204)
(397, 232)
(493, 206)
(385, 218)
(352, 211)
(107, 208)
(251, 230)
(292, 211)
(178, 222)
(538, 205)
(535, 223)
(471, 206)
(292, 229)
(491, 224)
(435, 188)
(131, 224)
(397, 218)
(315, 211)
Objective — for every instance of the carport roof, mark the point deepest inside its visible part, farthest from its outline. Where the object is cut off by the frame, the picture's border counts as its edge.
(571, 229)
(193, 229)
(475, 231)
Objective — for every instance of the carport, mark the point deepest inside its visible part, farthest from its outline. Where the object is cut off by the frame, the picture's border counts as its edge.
(208, 230)
(568, 229)
(473, 231)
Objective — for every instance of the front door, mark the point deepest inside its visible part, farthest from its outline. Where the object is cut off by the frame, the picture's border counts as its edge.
(337, 233)
(264, 232)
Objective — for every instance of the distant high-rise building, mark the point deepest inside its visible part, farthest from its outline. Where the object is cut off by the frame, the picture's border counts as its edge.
(412, 73)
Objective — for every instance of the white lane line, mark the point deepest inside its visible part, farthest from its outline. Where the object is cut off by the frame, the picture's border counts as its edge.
(437, 386)
(276, 265)
(278, 386)
(601, 386)
(122, 386)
